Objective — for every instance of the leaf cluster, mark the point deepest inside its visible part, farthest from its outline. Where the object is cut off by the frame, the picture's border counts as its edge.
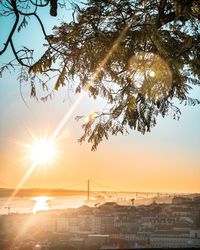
(139, 56)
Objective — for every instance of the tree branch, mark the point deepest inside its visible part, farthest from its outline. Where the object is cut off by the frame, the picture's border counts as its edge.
(16, 56)
(13, 4)
(164, 19)
(40, 5)
(46, 36)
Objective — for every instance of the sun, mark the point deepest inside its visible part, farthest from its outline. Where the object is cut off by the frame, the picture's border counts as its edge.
(43, 151)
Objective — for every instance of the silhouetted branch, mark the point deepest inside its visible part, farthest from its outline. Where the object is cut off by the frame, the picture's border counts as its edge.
(13, 3)
(40, 5)
(16, 56)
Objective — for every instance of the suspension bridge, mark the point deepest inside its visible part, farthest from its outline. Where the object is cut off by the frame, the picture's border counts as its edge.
(92, 188)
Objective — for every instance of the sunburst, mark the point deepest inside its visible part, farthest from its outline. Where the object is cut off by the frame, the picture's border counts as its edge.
(43, 151)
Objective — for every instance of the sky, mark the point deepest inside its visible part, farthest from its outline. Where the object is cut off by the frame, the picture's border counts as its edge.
(165, 160)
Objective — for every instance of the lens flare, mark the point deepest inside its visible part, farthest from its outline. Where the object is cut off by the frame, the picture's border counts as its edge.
(150, 75)
(91, 117)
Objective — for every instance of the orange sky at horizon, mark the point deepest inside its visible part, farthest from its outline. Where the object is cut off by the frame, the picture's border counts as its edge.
(135, 162)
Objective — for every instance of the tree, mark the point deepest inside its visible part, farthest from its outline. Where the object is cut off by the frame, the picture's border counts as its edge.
(138, 55)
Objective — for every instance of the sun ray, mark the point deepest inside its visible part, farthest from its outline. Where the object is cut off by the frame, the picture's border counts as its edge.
(68, 114)
(23, 144)
(90, 83)
(27, 224)
(19, 186)
(31, 133)
(42, 151)
(66, 117)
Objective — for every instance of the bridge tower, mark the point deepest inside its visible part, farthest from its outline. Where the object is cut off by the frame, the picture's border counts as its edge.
(88, 189)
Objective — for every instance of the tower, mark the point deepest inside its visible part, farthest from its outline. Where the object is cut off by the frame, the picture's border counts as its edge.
(88, 189)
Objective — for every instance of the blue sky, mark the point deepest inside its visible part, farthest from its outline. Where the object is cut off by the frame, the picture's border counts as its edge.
(167, 159)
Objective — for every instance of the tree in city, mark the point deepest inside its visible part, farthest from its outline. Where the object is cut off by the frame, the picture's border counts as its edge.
(140, 57)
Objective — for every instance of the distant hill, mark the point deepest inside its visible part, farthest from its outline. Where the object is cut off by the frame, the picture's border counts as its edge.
(30, 192)
(26, 192)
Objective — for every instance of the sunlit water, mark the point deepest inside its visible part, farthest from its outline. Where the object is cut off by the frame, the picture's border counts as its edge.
(41, 203)
(44, 203)
(34, 204)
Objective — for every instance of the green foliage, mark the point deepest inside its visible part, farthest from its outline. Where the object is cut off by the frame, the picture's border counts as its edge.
(61, 79)
(43, 64)
(138, 55)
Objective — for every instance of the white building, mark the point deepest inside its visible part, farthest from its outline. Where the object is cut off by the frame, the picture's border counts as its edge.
(173, 239)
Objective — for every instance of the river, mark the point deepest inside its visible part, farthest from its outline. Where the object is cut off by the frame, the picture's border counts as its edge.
(38, 203)
(34, 204)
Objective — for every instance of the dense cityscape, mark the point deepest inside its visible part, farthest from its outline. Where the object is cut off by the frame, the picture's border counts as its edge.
(106, 226)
